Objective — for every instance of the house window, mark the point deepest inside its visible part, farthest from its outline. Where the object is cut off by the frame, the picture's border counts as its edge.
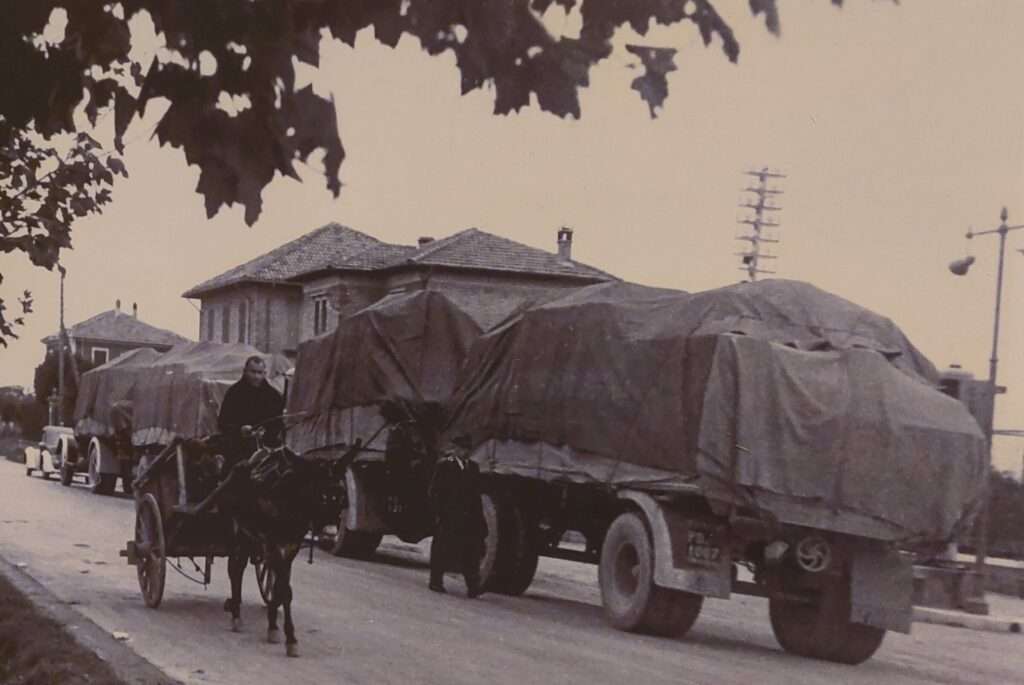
(225, 326)
(100, 355)
(211, 317)
(319, 315)
(243, 322)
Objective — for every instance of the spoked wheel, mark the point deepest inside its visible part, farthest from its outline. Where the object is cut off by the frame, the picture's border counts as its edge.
(265, 578)
(151, 550)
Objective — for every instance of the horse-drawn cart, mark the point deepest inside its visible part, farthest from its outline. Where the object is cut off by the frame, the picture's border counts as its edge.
(177, 517)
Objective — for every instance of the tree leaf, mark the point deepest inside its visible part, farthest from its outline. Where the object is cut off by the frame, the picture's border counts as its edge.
(653, 83)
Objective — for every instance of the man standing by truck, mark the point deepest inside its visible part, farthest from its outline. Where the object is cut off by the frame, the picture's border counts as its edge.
(460, 528)
(249, 403)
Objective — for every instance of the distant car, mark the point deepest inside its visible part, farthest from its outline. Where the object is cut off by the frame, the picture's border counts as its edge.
(46, 458)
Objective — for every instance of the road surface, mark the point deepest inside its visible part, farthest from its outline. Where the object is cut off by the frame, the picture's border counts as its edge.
(375, 622)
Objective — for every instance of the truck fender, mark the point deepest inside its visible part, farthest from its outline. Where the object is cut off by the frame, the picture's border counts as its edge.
(365, 507)
(670, 534)
(881, 587)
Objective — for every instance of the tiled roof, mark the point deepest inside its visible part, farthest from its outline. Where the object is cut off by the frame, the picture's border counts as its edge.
(117, 326)
(476, 249)
(329, 246)
(338, 247)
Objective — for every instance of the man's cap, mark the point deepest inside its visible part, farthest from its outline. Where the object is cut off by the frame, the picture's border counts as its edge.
(463, 440)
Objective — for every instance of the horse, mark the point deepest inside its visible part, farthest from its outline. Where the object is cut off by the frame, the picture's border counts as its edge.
(274, 499)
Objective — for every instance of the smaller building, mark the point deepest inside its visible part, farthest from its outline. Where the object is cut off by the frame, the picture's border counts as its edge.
(111, 333)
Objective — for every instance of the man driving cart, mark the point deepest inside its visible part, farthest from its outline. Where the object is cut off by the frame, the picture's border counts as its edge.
(249, 403)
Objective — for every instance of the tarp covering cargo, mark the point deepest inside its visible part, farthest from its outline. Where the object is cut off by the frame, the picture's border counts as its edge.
(106, 385)
(773, 395)
(179, 394)
(407, 347)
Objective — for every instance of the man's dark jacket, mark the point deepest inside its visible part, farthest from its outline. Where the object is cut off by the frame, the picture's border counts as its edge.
(455, 495)
(245, 405)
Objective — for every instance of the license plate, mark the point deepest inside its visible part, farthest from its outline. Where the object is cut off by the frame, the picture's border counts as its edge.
(700, 548)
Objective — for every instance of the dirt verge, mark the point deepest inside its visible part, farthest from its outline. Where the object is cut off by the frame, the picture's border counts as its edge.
(44, 641)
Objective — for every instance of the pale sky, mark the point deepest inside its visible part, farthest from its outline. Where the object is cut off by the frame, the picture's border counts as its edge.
(899, 127)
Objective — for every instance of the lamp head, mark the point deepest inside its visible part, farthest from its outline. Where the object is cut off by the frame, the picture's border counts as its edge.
(960, 266)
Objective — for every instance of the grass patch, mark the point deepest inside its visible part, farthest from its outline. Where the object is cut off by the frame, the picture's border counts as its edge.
(35, 650)
(14, 449)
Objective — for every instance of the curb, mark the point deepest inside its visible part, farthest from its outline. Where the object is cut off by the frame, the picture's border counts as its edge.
(127, 665)
(959, 619)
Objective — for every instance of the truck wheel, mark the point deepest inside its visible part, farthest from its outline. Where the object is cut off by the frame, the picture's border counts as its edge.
(67, 468)
(510, 554)
(67, 473)
(356, 544)
(631, 599)
(822, 630)
(99, 483)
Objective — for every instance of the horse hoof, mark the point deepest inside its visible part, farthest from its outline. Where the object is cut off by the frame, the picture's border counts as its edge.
(236, 625)
(273, 636)
(291, 649)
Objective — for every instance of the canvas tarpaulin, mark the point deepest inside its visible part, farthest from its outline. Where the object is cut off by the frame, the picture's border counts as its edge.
(406, 347)
(107, 385)
(179, 394)
(774, 395)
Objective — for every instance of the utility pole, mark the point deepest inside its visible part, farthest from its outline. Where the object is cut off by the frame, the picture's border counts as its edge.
(760, 204)
(60, 358)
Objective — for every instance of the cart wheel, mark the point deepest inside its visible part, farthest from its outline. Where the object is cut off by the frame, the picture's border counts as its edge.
(264, 579)
(150, 545)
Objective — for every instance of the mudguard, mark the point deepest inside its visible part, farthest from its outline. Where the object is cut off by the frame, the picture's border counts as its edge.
(881, 588)
(678, 540)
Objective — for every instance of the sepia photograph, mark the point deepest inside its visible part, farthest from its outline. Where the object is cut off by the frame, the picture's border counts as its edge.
(443, 342)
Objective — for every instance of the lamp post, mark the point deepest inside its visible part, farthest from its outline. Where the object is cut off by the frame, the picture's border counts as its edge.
(960, 268)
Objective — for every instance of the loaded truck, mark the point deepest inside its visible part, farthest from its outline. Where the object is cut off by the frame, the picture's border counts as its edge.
(767, 439)
(140, 401)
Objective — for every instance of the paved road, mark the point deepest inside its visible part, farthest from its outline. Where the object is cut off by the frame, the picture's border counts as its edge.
(375, 622)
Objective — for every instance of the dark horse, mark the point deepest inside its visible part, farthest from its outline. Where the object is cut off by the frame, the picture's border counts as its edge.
(274, 499)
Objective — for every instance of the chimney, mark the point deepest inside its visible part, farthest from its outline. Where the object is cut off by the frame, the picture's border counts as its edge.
(117, 306)
(424, 239)
(565, 243)
(135, 310)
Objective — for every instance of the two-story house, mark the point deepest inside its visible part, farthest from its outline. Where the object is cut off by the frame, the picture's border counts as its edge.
(302, 288)
(111, 333)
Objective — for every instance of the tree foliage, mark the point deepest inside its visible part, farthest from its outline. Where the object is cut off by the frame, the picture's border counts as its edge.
(228, 71)
(47, 377)
(1006, 514)
(22, 412)
(43, 190)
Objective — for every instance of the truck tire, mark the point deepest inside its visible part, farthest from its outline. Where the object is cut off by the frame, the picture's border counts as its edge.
(822, 630)
(631, 600)
(99, 483)
(67, 468)
(355, 544)
(510, 555)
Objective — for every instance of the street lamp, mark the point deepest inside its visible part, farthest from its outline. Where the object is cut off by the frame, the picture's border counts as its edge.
(960, 267)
